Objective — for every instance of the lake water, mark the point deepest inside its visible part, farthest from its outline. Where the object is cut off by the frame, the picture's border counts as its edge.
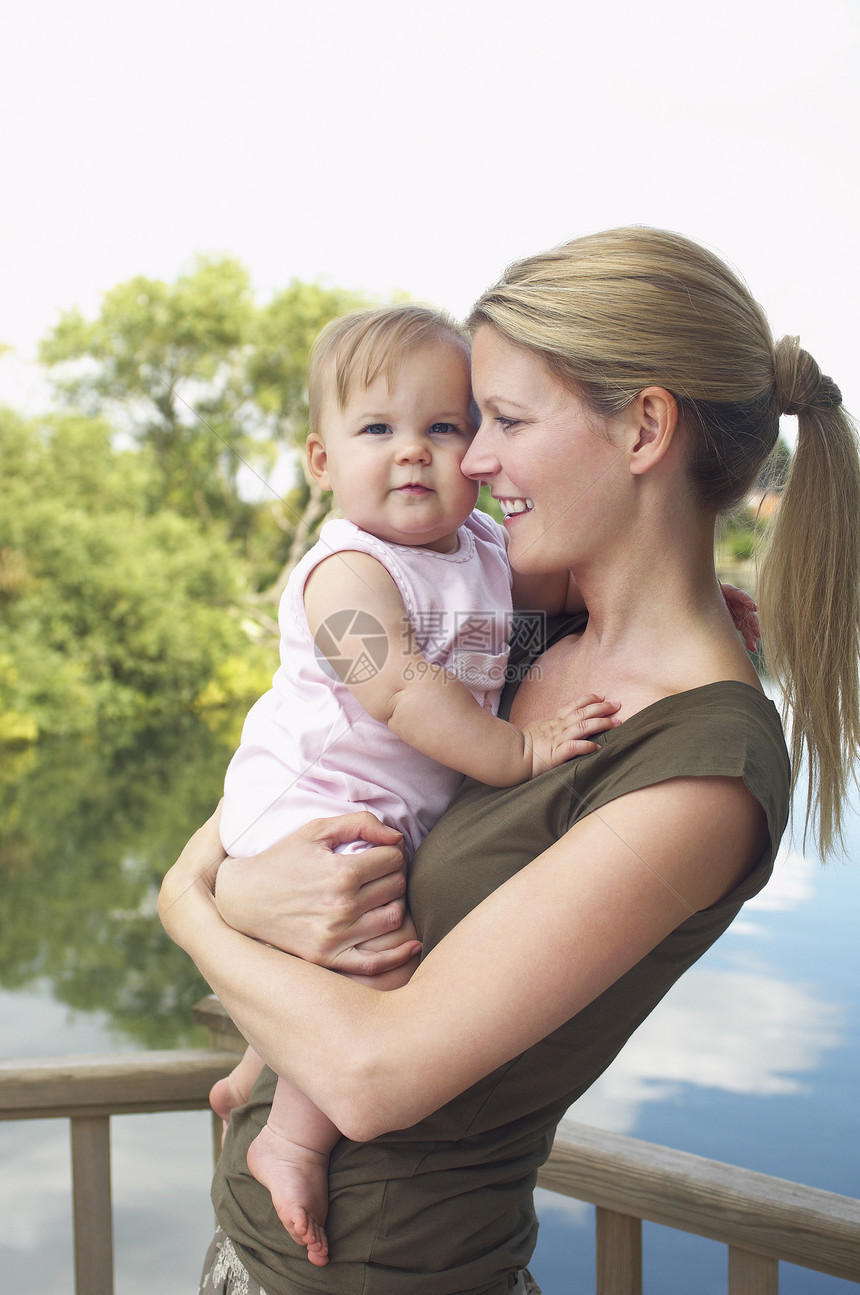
(753, 1058)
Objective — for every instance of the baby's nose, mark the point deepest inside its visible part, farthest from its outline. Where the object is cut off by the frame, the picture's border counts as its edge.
(413, 450)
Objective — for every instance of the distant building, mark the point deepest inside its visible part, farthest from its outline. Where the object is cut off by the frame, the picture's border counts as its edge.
(762, 504)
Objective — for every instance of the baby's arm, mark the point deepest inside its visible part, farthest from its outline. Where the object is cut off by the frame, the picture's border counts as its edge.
(426, 705)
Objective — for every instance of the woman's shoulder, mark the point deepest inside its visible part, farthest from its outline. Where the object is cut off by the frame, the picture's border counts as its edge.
(728, 711)
(718, 728)
(724, 729)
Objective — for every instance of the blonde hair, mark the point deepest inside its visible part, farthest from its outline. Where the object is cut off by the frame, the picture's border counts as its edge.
(615, 312)
(355, 349)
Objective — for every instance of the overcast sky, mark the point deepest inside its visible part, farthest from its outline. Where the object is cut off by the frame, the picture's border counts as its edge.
(386, 145)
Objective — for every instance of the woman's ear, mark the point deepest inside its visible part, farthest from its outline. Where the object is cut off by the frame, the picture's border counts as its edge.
(318, 461)
(655, 420)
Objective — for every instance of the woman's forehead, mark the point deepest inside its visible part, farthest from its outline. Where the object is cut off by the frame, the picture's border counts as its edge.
(500, 367)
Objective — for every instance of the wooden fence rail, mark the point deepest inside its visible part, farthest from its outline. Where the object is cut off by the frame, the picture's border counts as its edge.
(762, 1220)
(87, 1091)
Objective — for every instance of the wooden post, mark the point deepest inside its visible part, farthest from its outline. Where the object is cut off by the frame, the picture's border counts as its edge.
(619, 1253)
(751, 1274)
(91, 1202)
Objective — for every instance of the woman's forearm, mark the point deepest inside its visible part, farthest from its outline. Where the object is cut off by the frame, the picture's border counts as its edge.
(534, 953)
(290, 1011)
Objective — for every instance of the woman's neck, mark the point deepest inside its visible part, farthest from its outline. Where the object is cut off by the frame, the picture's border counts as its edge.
(657, 615)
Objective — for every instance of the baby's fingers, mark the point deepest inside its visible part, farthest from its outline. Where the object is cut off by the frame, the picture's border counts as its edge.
(589, 714)
(571, 748)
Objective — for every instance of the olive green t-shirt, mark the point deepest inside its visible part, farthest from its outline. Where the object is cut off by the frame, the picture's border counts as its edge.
(445, 1208)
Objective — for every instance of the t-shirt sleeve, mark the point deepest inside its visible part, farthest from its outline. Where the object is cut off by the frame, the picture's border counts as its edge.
(727, 730)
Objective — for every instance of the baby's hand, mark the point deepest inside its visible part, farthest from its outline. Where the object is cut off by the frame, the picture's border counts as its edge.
(553, 741)
(743, 610)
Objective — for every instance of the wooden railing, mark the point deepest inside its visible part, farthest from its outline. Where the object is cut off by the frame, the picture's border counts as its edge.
(762, 1220)
(87, 1091)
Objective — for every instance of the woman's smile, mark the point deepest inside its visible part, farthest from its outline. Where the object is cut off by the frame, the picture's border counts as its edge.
(513, 507)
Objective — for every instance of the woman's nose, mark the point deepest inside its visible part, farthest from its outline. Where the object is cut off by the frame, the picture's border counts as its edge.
(479, 461)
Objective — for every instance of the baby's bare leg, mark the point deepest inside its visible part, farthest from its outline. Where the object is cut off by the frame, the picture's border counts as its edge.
(405, 934)
(290, 1154)
(290, 1157)
(235, 1089)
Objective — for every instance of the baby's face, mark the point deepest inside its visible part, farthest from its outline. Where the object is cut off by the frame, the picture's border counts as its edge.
(392, 455)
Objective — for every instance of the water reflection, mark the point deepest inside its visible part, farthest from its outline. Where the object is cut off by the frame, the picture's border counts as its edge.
(739, 1031)
(752, 1057)
(86, 832)
(792, 884)
(734, 1022)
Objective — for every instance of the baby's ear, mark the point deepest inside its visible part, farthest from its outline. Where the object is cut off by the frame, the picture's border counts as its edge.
(318, 460)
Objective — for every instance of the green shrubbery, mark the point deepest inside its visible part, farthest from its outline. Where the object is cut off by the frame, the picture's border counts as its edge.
(138, 572)
(110, 610)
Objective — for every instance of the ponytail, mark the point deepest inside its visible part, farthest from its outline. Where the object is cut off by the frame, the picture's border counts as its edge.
(615, 312)
(809, 590)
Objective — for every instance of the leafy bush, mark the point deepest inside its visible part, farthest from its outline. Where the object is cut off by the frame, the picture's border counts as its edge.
(109, 611)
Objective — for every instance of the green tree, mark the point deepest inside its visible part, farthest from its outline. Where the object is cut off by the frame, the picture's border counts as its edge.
(109, 611)
(164, 364)
(209, 382)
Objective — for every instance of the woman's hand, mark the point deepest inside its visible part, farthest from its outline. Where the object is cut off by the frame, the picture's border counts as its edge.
(341, 911)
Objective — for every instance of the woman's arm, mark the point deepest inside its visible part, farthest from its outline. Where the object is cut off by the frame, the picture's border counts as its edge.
(342, 911)
(533, 954)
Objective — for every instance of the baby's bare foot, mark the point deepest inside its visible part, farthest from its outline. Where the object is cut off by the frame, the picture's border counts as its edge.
(235, 1089)
(224, 1095)
(297, 1178)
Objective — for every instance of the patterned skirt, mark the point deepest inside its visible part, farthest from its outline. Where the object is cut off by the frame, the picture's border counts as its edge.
(225, 1274)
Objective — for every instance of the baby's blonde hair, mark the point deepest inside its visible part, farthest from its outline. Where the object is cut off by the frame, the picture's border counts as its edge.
(353, 350)
(615, 312)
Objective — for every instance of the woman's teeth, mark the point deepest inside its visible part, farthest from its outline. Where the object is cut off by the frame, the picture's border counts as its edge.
(512, 506)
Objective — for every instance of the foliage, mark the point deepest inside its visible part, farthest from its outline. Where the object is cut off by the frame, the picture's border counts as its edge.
(210, 382)
(132, 551)
(742, 532)
(163, 361)
(774, 473)
(741, 542)
(281, 340)
(109, 611)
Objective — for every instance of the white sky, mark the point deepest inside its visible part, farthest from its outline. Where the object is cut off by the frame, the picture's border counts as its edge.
(392, 145)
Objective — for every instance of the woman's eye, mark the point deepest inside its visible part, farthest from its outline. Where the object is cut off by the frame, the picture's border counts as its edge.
(375, 429)
(506, 423)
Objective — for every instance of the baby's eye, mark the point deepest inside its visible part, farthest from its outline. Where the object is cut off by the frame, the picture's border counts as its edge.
(375, 429)
(443, 429)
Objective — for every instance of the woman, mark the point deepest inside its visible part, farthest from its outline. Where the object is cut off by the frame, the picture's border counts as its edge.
(629, 391)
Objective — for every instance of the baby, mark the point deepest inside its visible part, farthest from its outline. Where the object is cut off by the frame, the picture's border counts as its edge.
(394, 633)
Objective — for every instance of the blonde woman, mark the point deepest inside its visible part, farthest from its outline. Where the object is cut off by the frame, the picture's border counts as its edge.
(629, 391)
